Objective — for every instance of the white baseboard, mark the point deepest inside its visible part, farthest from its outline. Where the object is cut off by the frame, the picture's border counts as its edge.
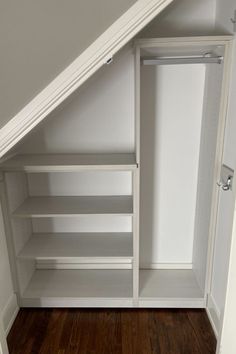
(213, 314)
(9, 313)
(166, 266)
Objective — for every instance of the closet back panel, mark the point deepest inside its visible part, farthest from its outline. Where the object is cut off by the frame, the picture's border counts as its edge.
(98, 118)
(81, 184)
(171, 118)
(76, 184)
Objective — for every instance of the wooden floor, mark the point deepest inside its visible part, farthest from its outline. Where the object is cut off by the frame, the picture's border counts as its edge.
(103, 331)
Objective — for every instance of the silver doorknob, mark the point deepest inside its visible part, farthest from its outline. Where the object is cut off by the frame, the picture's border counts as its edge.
(226, 186)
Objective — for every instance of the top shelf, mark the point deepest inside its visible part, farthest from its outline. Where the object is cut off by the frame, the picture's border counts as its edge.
(69, 162)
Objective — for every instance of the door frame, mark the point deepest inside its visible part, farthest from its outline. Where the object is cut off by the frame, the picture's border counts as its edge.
(3, 341)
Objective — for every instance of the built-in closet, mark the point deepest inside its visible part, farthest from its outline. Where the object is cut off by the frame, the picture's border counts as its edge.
(112, 200)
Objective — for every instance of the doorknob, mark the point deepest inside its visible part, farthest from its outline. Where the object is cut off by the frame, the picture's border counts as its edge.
(226, 181)
(226, 186)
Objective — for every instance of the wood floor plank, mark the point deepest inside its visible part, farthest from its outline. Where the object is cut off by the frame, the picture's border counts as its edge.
(111, 331)
(203, 331)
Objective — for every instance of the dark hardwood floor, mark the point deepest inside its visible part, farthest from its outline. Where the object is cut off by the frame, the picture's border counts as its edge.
(108, 331)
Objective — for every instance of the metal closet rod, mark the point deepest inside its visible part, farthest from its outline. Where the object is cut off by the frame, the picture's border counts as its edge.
(182, 60)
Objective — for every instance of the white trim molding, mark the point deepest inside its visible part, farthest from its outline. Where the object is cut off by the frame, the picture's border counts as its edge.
(96, 55)
(9, 313)
(3, 341)
(213, 314)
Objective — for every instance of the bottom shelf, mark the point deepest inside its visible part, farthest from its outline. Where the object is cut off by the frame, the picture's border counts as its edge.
(79, 288)
(112, 288)
(170, 288)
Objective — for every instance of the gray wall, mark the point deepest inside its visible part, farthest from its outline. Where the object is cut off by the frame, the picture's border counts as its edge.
(38, 39)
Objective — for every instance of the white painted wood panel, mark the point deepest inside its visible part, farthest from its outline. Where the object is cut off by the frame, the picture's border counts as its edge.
(84, 223)
(6, 281)
(97, 119)
(171, 116)
(19, 230)
(86, 183)
(96, 247)
(69, 162)
(72, 206)
(169, 284)
(79, 283)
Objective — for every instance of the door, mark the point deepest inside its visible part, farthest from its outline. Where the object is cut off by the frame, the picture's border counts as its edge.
(227, 341)
(226, 235)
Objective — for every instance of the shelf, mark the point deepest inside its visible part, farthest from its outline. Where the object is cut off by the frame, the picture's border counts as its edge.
(169, 284)
(80, 248)
(69, 162)
(75, 206)
(67, 287)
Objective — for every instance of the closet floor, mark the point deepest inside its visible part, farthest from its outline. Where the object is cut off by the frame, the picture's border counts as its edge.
(113, 331)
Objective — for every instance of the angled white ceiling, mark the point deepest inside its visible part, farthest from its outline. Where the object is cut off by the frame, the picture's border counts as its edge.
(33, 83)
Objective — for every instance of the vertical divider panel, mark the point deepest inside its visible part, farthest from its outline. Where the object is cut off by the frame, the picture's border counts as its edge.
(136, 180)
(8, 229)
(20, 230)
(136, 237)
(137, 105)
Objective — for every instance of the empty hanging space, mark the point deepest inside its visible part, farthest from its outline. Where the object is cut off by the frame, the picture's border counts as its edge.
(179, 119)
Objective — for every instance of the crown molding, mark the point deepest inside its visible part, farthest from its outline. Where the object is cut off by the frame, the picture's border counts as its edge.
(96, 55)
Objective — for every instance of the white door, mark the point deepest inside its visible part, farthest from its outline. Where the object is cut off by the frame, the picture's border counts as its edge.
(223, 277)
(227, 340)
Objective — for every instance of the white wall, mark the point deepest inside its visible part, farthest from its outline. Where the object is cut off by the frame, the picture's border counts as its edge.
(86, 183)
(38, 39)
(184, 18)
(171, 118)
(98, 118)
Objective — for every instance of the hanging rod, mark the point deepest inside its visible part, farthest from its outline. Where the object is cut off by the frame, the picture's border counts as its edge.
(182, 60)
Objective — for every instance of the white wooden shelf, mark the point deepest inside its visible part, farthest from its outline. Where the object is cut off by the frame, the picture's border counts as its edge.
(69, 162)
(81, 248)
(74, 206)
(78, 288)
(171, 287)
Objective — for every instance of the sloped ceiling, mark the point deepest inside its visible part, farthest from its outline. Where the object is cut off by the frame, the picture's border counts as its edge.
(39, 39)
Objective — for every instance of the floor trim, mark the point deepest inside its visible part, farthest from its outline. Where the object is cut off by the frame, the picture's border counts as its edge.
(9, 313)
(213, 314)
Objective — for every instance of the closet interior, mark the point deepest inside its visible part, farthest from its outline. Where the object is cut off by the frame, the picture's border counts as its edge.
(109, 201)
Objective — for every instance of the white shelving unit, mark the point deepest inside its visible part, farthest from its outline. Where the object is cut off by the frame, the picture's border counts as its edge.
(43, 207)
(120, 264)
(79, 288)
(98, 246)
(70, 162)
(168, 287)
(70, 268)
